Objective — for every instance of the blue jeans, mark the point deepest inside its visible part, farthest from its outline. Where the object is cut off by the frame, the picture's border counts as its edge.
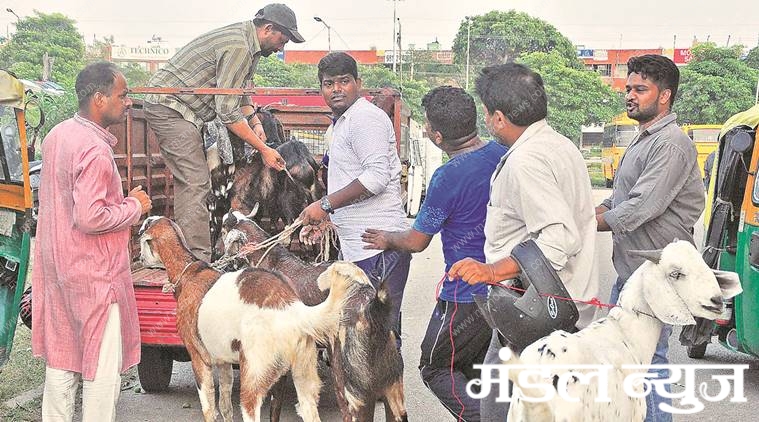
(391, 268)
(653, 413)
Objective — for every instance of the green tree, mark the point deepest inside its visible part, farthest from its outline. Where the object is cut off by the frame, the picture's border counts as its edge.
(498, 37)
(715, 85)
(752, 59)
(54, 34)
(575, 97)
(272, 72)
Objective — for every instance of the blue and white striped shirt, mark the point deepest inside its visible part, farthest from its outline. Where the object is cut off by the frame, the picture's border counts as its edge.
(363, 148)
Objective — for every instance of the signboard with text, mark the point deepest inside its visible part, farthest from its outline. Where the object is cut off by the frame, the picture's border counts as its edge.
(142, 53)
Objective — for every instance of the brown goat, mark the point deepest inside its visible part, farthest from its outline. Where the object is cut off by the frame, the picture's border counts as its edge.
(366, 365)
(252, 317)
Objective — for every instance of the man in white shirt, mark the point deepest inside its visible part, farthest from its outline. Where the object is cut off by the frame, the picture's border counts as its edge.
(363, 180)
(540, 190)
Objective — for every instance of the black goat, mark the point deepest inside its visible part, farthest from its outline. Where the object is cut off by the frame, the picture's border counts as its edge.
(248, 181)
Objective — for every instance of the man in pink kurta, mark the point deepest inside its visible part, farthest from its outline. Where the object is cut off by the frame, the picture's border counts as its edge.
(81, 263)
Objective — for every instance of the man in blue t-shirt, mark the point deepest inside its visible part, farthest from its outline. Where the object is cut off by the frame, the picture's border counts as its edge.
(455, 206)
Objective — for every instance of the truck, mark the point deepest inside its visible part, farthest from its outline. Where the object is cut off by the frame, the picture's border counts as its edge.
(305, 117)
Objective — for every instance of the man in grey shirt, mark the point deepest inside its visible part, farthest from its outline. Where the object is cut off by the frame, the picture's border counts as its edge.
(658, 194)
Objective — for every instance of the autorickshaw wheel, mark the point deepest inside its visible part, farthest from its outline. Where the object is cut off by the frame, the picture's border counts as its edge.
(155, 368)
(697, 351)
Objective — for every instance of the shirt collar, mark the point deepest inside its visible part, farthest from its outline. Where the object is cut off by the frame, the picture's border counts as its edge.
(664, 121)
(101, 133)
(527, 134)
(353, 106)
(252, 36)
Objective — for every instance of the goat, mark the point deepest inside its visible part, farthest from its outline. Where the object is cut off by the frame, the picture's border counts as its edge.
(671, 287)
(366, 364)
(248, 181)
(227, 318)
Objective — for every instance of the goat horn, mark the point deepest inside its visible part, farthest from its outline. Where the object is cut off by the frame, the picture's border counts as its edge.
(651, 255)
(253, 212)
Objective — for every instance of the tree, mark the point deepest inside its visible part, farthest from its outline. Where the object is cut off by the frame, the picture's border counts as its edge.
(715, 85)
(752, 59)
(274, 72)
(498, 37)
(575, 97)
(54, 34)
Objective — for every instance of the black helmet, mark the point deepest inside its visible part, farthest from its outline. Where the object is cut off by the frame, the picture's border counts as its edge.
(521, 319)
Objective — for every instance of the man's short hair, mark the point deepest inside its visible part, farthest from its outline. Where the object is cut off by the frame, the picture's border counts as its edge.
(515, 90)
(452, 112)
(659, 69)
(337, 63)
(95, 77)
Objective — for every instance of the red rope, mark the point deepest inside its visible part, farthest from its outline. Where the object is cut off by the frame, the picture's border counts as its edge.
(453, 350)
(593, 301)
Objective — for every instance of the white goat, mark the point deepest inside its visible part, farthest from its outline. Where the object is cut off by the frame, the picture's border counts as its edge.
(671, 287)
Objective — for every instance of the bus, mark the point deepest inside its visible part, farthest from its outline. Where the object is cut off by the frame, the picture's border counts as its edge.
(618, 134)
(705, 138)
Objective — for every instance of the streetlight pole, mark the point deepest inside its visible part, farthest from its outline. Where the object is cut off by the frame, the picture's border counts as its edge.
(9, 10)
(468, 31)
(329, 32)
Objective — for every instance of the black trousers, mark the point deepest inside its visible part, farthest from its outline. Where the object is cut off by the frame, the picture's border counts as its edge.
(471, 336)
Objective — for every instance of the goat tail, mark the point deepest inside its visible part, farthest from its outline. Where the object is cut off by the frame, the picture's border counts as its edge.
(342, 279)
(530, 390)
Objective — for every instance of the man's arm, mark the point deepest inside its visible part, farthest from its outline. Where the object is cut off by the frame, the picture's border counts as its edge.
(474, 272)
(232, 68)
(92, 213)
(409, 240)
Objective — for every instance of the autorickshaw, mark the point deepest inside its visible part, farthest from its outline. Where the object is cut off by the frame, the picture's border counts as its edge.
(16, 218)
(731, 241)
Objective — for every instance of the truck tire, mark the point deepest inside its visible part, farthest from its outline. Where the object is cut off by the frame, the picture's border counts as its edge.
(609, 183)
(155, 368)
(697, 351)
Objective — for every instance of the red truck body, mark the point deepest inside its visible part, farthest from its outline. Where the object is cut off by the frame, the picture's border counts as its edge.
(304, 116)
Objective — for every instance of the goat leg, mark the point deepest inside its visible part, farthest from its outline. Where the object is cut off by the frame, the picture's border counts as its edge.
(204, 384)
(338, 378)
(226, 378)
(395, 407)
(277, 392)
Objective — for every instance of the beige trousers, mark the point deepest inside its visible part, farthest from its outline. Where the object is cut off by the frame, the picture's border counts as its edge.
(181, 146)
(100, 395)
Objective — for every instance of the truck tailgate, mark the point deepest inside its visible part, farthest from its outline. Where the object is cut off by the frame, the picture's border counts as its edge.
(157, 310)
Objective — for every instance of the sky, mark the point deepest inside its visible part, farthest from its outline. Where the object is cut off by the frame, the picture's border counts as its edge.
(361, 25)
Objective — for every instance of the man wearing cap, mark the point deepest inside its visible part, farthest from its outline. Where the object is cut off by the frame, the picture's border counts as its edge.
(223, 58)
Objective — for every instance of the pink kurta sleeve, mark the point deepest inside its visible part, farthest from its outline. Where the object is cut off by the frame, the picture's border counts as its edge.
(92, 212)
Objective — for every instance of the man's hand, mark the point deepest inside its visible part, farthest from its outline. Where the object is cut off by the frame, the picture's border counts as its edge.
(145, 203)
(375, 239)
(472, 271)
(272, 159)
(313, 214)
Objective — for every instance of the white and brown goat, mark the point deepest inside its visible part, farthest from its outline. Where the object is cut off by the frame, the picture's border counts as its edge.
(252, 317)
(366, 364)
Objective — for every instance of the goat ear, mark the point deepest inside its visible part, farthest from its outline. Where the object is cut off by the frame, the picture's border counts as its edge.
(665, 302)
(651, 255)
(253, 212)
(729, 283)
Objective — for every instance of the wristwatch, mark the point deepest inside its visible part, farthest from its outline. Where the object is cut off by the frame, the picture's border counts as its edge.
(326, 206)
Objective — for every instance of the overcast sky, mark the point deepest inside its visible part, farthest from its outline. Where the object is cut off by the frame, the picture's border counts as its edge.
(360, 25)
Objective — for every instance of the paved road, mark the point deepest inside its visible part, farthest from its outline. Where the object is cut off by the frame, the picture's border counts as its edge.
(181, 403)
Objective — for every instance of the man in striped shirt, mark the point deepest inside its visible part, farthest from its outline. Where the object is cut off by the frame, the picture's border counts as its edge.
(363, 187)
(223, 58)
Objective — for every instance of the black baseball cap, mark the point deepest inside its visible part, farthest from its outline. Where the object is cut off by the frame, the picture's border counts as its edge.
(283, 16)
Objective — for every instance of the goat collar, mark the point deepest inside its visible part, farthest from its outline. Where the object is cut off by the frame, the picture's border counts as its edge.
(170, 287)
(637, 312)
